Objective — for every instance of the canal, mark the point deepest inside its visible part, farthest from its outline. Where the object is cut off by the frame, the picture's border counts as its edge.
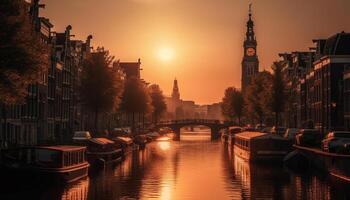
(193, 168)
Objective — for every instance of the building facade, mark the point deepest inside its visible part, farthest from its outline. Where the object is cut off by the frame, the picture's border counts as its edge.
(318, 83)
(50, 113)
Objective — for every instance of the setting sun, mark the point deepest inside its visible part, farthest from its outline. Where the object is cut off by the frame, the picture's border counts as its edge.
(165, 54)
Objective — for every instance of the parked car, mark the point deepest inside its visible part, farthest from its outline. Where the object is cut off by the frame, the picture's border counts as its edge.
(336, 142)
(278, 130)
(290, 134)
(309, 137)
(81, 137)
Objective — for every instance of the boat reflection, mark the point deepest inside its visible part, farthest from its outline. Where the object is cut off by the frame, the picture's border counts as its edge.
(77, 191)
(272, 181)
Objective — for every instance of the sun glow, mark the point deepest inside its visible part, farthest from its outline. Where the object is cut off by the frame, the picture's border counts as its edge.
(164, 145)
(165, 54)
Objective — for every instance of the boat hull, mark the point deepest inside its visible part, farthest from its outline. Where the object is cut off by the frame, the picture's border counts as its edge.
(102, 159)
(259, 155)
(337, 165)
(36, 174)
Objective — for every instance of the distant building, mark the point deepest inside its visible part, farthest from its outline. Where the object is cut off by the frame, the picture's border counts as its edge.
(214, 111)
(250, 62)
(186, 109)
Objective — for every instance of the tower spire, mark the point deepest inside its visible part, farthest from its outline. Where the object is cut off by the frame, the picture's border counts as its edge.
(250, 26)
(250, 10)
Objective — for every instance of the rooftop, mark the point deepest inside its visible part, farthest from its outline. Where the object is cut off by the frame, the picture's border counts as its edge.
(338, 44)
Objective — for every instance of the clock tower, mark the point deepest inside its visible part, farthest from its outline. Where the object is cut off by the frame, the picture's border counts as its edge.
(250, 62)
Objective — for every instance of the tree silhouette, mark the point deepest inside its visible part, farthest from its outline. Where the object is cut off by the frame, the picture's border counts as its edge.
(233, 104)
(135, 99)
(101, 86)
(24, 58)
(158, 101)
(256, 96)
(278, 93)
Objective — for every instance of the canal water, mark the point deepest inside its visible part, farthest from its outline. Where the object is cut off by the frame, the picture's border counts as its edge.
(193, 168)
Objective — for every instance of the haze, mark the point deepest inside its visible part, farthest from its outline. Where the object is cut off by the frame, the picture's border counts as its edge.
(198, 41)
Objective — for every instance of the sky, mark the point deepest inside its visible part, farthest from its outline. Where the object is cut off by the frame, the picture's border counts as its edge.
(199, 42)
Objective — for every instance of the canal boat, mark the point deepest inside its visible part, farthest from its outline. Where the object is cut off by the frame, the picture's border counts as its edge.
(337, 165)
(141, 141)
(102, 152)
(257, 146)
(59, 164)
(126, 144)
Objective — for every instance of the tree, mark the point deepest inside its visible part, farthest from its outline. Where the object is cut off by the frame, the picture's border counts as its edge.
(233, 104)
(24, 58)
(278, 93)
(135, 99)
(158, 101)
(256, 96)
(101, 85)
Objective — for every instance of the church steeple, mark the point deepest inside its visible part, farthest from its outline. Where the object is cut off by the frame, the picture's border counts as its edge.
(250, 62)
(176, 94)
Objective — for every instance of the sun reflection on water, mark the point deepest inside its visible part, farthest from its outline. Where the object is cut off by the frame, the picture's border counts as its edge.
(164, 145)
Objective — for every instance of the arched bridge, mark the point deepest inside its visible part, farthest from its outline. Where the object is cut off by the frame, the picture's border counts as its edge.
(214, 125)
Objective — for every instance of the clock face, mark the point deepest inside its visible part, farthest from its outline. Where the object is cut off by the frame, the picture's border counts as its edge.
(250, 52)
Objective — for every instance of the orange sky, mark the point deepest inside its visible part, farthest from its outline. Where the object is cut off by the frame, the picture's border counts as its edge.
(203, 38)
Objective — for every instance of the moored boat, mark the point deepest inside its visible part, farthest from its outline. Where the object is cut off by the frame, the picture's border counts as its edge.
(257, 146)
(102, 152)
(59, 164)
(335, 164)
(126, 144)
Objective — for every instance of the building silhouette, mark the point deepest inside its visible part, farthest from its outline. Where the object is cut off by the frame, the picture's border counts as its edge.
(51, 112)
(250, 62)
(178, 108)
(176, 93)
(130, 69)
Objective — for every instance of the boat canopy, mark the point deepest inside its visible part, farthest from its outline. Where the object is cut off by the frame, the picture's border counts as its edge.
(61, 148)
(126, 140)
